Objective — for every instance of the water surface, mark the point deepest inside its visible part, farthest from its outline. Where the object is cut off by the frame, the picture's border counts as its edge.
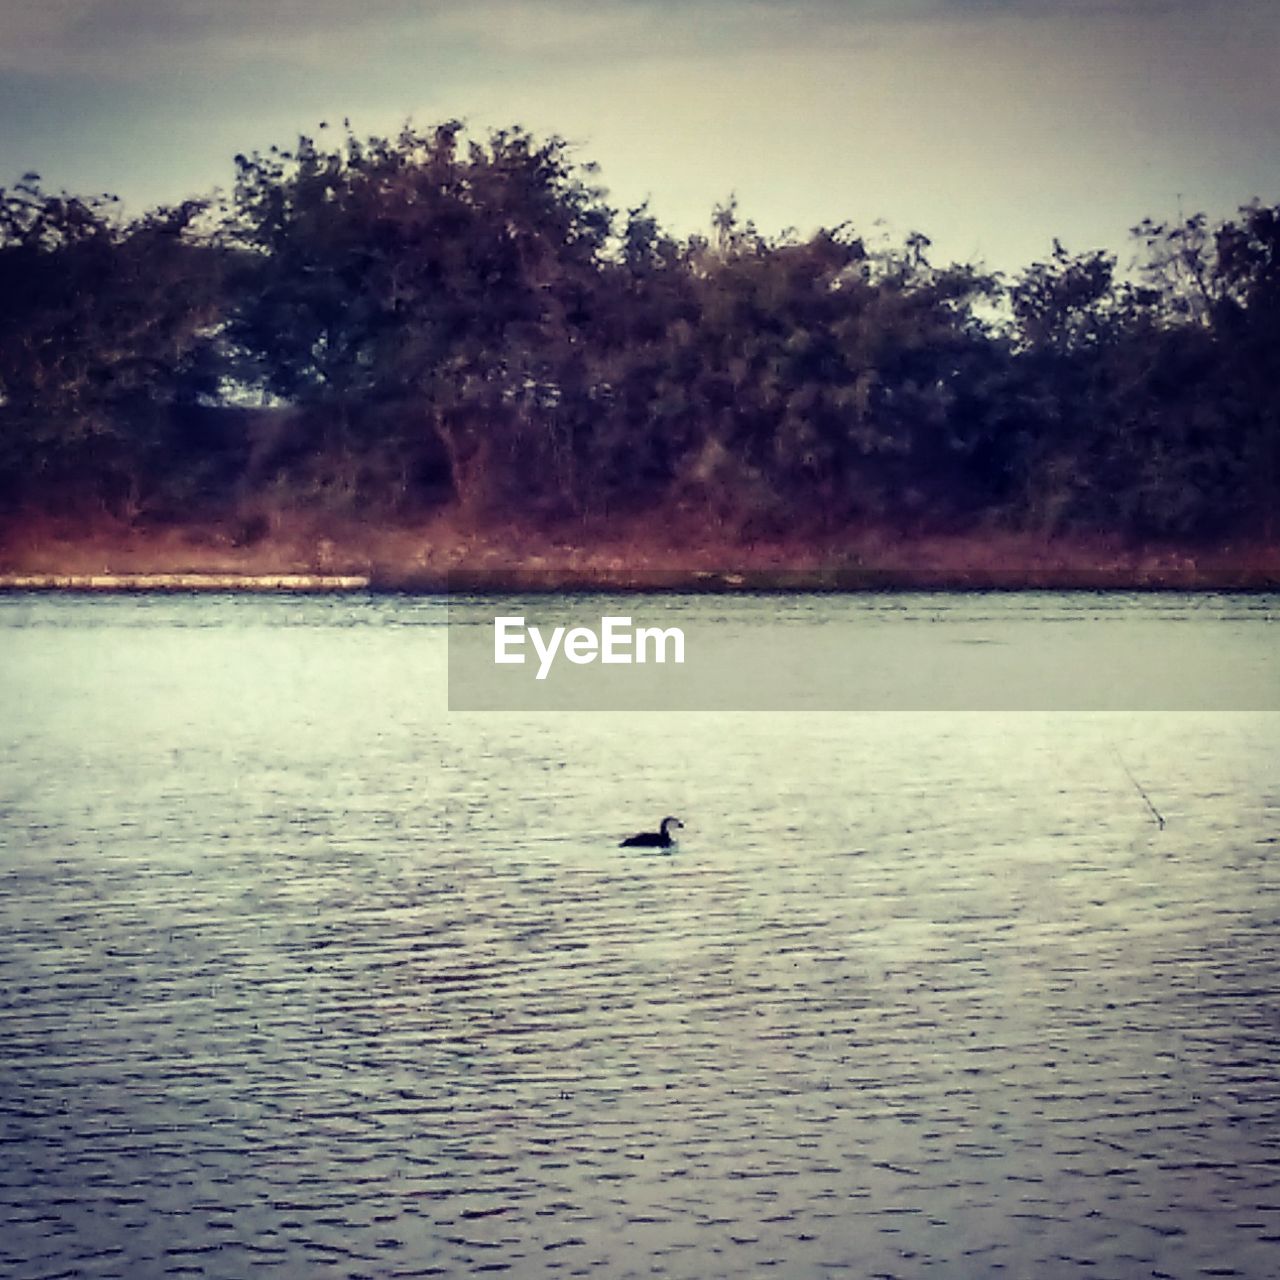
(302, 974)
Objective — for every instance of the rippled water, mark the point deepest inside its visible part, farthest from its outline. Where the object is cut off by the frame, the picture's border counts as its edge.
(301, 974)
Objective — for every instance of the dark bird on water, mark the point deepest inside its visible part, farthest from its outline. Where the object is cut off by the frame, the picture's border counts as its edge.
(660, 839)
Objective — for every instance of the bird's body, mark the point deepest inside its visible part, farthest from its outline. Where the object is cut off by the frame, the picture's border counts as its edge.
(660, 839)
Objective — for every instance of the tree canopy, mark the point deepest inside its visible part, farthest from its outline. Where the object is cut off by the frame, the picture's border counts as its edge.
(429, 319)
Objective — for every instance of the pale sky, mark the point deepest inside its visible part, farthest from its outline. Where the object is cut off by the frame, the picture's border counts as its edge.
(990, 125)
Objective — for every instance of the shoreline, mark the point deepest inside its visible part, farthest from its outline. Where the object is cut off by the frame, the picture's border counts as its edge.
(447, 554)
(107, 583)
(533, 582)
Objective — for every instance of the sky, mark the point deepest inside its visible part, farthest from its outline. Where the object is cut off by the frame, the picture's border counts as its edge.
(992, 126)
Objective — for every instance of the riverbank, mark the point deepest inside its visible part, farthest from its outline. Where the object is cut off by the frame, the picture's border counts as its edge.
(445, 552)
(182, 582)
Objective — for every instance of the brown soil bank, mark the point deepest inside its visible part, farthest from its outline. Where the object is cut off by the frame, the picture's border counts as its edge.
(656, 554)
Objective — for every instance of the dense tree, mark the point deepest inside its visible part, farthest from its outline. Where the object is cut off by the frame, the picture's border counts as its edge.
(444, 278)
(1247, 326)
(427, 318)
(107, 324)
(1153, 414)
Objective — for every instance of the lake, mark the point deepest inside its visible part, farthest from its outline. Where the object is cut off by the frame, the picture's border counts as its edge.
(304, 974)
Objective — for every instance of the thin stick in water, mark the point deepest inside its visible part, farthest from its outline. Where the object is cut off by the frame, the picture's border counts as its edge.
(1155, 813)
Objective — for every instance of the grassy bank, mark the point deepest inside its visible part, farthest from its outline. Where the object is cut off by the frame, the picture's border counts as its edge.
(304, 553)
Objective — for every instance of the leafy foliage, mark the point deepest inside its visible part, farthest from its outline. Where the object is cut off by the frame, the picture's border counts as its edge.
(106, 324)
(430, 319)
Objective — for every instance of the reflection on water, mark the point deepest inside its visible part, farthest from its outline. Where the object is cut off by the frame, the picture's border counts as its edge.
(301, 974)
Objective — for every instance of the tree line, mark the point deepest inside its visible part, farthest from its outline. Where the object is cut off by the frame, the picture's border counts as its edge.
(384, 325)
